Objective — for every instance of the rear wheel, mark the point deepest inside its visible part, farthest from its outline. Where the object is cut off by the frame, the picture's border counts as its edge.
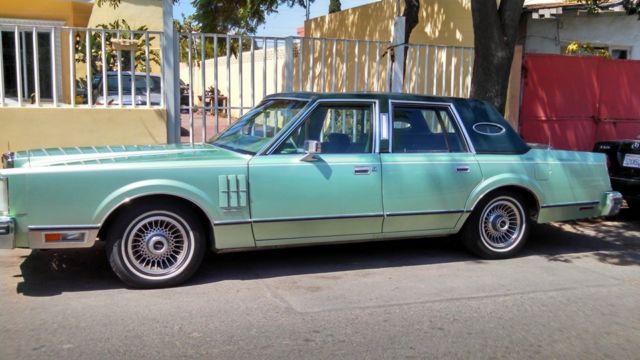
(156, 245)
(498, 227)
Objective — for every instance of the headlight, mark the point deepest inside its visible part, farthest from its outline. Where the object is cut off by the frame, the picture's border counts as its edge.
(4, 196)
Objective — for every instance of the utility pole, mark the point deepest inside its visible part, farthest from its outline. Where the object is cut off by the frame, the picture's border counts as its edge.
(307, 9)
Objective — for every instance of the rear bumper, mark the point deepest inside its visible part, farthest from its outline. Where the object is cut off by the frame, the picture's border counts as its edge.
(611, 204)
(630, 188)
(7, 233)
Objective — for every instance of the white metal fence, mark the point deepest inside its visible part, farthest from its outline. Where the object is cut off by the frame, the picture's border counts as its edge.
(70, 66)
(238, 71)
(224, 75)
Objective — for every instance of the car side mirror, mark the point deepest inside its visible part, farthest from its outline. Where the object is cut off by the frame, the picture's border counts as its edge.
(311, 148)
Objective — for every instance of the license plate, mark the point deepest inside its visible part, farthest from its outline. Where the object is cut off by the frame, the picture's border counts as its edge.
(631, 160)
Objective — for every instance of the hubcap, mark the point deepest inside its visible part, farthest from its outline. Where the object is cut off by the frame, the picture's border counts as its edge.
(502, 224)
(157, 245)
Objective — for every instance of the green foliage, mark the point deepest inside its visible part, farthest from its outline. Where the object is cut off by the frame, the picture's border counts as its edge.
(189, 25)
(576, 48)
(632, 7)
(596, 6)
(334, 6)
(236, 17)
(95, 47)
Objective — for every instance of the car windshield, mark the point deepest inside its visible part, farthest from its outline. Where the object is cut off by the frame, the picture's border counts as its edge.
(255, 129)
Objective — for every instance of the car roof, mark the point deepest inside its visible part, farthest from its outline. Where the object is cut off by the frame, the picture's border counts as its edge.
(364, 95)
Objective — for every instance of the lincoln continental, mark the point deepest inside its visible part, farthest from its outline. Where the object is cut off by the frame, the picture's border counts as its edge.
(301, 169)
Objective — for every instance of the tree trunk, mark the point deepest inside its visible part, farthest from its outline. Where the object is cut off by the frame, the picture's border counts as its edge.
(496, 30)
(411, 15)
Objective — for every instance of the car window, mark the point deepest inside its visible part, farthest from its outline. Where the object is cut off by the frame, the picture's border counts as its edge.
(259, 126)
(140, 83)
(340, 129)
(418, 129)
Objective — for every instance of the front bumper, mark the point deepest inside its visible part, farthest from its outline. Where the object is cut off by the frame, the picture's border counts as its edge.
(611, 204)
(7, 233)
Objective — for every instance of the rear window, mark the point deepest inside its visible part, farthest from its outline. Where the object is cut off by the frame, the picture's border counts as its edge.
(489, 132)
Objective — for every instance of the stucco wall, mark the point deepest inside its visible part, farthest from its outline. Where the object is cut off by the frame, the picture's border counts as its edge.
(26, 128)
(135, 12)
(71, 13)
(550, 35)
(441, 22)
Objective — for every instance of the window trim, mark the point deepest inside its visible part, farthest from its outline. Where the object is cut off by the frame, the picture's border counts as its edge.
(453, 112)
(26, 25)
(502, 129)
(270, 149)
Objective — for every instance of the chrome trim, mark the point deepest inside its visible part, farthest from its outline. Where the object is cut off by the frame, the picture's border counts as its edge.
(7, 234)
(580, 203)
(137, 196)
(384, 126)
(611, 204)
(301, 117)
(456, 116)
(277, 97)
(502, 129)
(63, 227)
(8, 160)
(313, 218)
(4, 188)
(430, 212)
(232, 222)
(538, 202)
(36, 236)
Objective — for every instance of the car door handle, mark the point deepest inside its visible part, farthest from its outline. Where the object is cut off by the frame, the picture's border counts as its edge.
(362, 170)
(462, 169)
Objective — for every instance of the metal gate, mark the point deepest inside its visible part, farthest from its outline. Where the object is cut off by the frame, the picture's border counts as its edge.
(572, 102)
(226, 75)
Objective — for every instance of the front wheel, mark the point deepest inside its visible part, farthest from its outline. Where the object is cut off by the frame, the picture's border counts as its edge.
(498, 227)
(155, 245)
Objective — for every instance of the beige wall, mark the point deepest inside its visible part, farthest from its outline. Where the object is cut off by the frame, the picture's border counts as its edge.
(135, 12)
(26, 128)
(262, 69)
(441, 22)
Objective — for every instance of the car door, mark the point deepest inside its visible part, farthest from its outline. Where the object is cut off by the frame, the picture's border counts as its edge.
(429, 170)
(334, 195)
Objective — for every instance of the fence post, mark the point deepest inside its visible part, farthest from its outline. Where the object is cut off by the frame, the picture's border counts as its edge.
(397, 75)
(171, 73)
(288, 64)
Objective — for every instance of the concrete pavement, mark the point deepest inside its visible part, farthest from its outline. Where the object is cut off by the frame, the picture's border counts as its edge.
(573, 293)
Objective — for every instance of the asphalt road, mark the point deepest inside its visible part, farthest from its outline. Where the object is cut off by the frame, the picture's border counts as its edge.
(574, 293)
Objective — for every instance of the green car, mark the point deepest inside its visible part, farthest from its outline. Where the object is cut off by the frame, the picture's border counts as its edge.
(301, 169)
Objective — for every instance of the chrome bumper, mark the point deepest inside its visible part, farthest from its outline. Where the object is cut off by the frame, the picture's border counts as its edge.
(7, 233)
(612, 203)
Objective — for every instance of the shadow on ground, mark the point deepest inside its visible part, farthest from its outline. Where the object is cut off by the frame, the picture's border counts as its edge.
(615, 242)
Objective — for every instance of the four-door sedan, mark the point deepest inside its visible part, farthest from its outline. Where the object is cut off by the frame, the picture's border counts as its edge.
(300, 169)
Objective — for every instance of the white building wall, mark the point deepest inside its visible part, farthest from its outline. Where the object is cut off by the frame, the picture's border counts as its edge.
(612, 30)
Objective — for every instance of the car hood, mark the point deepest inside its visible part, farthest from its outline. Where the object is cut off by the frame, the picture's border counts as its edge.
(122, 154)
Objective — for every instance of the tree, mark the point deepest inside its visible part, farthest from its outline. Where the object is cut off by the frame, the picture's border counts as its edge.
(239, 17)
(95, 48)
(334, 6)
(496, 30)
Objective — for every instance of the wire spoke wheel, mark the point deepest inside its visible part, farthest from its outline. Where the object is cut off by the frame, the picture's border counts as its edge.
(502, 224)
(157, 245)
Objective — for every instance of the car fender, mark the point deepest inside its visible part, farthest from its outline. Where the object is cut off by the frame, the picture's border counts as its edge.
(504, 180)
(150, 187)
